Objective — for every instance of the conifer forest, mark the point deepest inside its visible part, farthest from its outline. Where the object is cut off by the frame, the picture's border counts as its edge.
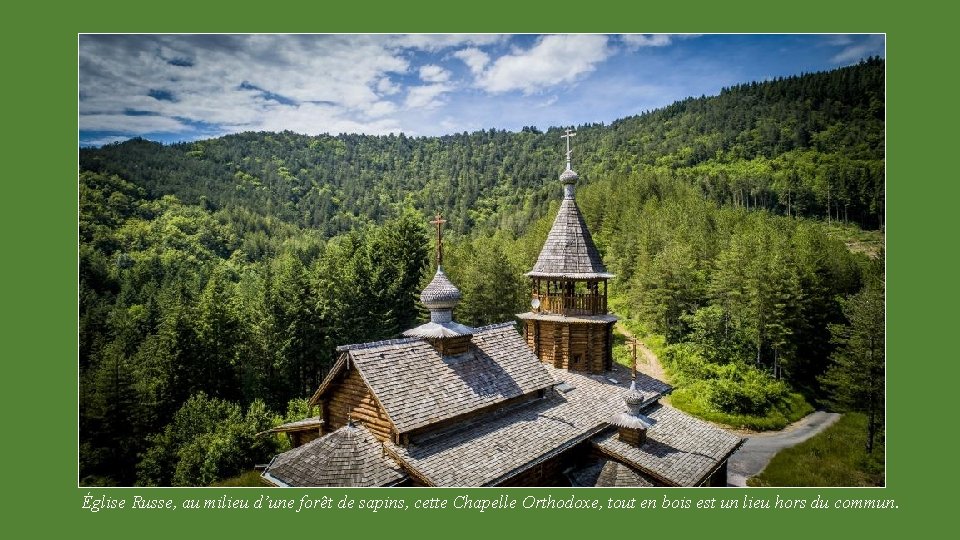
(217, 277)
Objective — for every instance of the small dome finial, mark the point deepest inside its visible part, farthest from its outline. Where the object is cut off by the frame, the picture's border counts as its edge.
(633, 398)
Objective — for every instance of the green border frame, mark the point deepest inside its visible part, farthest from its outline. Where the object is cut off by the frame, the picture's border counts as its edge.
(40, 236)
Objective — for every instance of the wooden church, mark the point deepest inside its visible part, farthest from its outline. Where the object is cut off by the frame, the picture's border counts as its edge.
(451, 405)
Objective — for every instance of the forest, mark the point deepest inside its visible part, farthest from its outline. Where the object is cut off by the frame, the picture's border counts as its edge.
(218, 276)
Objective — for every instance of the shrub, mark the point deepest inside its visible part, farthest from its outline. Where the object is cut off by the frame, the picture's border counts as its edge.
(735, 393)
(208, 439)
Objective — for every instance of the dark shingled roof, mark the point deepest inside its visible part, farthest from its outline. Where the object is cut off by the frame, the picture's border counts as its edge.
(418, 387)
(569, 251)
(497, 447)
(615, 474)
(680, 449)
(348, 457)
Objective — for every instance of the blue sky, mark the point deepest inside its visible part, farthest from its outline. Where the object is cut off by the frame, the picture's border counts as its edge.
(172, 88)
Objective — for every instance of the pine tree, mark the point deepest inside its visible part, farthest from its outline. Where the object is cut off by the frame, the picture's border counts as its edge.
(855, 381)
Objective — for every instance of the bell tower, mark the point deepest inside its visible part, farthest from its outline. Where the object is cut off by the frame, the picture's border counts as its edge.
(568, 325)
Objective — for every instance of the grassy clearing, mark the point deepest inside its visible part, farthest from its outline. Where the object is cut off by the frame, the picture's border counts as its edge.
(792, 409)
(857, 240)
(694, 385)
(247, 479)
(835, 457)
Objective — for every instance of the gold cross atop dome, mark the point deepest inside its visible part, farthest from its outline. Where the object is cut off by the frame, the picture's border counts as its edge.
(439, 221)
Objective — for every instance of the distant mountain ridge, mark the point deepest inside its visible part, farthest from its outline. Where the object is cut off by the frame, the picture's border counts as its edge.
(741, 145)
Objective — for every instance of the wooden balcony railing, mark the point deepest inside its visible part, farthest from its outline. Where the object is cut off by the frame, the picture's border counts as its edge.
(572, 304)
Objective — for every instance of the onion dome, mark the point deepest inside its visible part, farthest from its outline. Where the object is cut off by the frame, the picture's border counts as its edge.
(440, 297)
(632, 419)
(441, 293)
(569, 177)
(633, 399)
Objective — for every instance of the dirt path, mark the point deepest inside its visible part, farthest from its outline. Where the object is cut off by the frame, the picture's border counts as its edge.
(759, 449)
(647, 361)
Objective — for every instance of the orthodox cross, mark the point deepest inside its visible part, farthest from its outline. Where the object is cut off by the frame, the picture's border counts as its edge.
(439, 221)
(569, 133)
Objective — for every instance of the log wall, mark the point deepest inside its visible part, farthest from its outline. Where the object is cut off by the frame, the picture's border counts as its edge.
(632, 436)
(578, 347)
(300, 438)
(351, 398)
(451, 346)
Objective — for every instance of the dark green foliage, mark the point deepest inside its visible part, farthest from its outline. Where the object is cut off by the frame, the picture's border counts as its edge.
(177, 300)
(249, 478)
(231, 268)
(493, 286)
(749, 287)
(209, 439)
(855, 380)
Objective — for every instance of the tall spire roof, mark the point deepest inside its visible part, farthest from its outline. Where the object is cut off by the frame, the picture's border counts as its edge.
(569, 251)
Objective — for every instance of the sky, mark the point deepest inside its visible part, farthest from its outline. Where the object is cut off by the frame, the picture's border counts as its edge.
(173, 88)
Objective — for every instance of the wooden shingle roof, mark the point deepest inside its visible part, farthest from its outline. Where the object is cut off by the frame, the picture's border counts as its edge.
(498, 447)
(679, 450)
(417, 386)
(347, 457)
(614, 474)
(569, 251)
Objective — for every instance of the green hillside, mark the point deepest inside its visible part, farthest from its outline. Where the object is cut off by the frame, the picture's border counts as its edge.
(217, 277)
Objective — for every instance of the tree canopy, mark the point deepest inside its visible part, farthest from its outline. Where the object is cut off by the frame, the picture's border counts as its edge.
(218, 276)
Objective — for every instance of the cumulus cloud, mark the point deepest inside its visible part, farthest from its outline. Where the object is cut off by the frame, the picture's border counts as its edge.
(242, 82)
(433, 73)
(552, 60)
(857, 49)
(132, 123)
(427, 96)
(314, 118)
(438, 42)
(474, 58)
(386, 87)
(635, 41)
(380, 108)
